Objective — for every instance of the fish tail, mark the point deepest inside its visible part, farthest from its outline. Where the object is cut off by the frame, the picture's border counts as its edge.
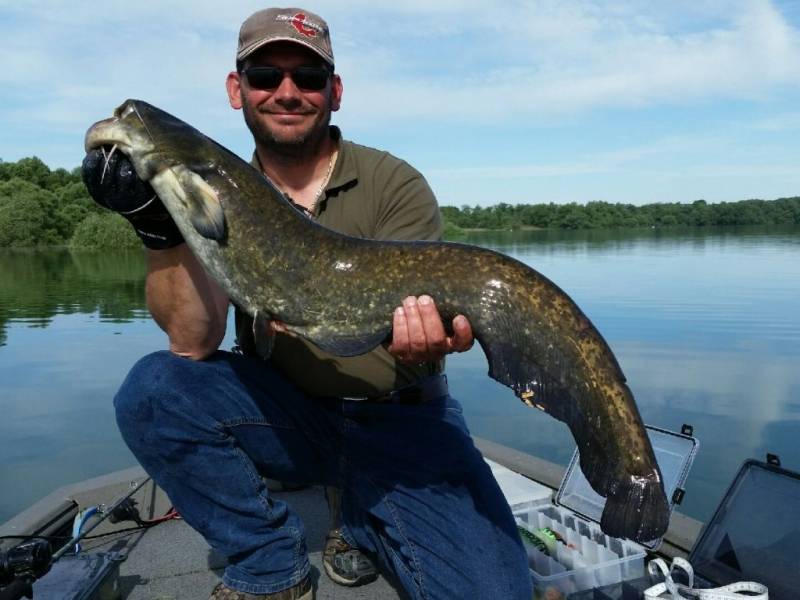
(636, 508)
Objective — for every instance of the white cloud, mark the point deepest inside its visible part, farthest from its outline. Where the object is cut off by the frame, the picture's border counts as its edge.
(456, 62)
(442, 60)
(553, 59)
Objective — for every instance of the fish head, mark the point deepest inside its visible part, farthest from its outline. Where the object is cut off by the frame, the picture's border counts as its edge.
(219, 202)
(188, 170)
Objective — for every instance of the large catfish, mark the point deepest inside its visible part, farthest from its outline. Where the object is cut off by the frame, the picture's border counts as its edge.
(339, 292)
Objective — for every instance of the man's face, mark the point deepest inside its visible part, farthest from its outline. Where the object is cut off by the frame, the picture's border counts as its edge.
(287, 118)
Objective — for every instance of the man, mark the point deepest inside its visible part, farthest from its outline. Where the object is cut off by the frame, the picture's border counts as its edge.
(206, 424)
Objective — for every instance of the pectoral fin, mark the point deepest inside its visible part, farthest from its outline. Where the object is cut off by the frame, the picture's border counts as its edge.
(202, 204)
(188, 197)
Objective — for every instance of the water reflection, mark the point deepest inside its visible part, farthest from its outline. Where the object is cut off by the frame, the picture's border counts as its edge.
(703, 322)
(37, 285)
(620, 240)
(62, 319)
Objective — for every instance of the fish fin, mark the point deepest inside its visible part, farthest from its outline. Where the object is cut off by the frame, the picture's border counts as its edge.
(329, 339)
(530, 382)
(537, 389)
(636, 508)
(203, 205)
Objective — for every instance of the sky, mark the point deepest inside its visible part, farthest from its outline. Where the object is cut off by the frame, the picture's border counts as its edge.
(516, 101)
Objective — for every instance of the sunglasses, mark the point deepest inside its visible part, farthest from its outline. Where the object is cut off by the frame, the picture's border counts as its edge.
(305, 78)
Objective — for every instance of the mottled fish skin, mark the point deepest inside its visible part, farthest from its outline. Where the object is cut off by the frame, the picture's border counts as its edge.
(340, 293)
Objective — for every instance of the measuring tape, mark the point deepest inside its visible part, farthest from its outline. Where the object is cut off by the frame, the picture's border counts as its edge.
(678, 591)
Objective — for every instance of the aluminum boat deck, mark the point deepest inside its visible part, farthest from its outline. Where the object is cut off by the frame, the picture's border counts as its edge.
(171, 561)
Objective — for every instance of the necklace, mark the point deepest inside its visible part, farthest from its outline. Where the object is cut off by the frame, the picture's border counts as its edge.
(317, 195)
(325, 181)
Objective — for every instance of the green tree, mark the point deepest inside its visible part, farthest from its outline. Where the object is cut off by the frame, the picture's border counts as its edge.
(453, 231)
(30, 169)
(107, 230)
(27, 215)
(21, 221)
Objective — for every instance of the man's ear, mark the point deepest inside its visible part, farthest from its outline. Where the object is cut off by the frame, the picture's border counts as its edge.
(233, 83)
(336, 92)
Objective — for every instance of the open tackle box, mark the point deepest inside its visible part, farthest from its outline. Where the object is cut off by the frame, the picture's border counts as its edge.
(755, 532)
(567, 550)
(753, 536)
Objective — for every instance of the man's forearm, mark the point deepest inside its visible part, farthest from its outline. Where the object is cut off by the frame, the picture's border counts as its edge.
(185, 302)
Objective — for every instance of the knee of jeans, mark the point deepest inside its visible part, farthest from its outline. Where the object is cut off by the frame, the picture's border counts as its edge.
(153, 379)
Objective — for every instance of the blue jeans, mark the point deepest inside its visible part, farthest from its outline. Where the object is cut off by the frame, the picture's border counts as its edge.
(415, 491)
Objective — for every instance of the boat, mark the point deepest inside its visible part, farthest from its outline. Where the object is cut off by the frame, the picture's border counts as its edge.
(166, 560)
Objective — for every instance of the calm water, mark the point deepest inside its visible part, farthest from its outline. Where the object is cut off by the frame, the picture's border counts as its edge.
(704, 323)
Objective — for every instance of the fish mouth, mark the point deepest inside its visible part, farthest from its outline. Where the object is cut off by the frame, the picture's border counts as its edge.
(105, 133)
(126, 132)
(111, 132)
(155, 155)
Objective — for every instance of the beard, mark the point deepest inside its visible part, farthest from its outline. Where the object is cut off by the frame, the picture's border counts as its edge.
(300, 145)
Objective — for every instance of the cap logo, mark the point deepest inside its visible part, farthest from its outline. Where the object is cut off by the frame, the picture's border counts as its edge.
(302, 24)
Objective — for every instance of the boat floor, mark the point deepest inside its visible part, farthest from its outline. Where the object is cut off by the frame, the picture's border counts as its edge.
(173, 562)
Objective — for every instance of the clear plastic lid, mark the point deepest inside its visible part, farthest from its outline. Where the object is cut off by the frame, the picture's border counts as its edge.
(674, 453)
(755, 533)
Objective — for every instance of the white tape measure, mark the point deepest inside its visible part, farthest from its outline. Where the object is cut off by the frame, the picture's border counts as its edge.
(678, 591)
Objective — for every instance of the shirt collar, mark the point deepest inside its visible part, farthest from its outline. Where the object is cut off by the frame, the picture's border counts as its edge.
(344, 171)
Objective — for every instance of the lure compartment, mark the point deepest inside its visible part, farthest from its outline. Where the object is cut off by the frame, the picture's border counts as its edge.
(587, 558)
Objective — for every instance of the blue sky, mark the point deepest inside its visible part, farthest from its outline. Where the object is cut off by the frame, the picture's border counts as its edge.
(536, 101)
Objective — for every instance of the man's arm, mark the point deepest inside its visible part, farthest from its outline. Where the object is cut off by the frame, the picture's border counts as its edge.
(185, 302)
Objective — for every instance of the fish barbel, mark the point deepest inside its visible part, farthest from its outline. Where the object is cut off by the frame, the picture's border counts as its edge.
(339, 292)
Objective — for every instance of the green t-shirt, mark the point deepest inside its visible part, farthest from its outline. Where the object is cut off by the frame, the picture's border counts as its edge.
(370, 194)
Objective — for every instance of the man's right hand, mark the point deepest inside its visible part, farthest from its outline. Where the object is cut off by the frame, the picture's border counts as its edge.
(418, 334)
(112, 182)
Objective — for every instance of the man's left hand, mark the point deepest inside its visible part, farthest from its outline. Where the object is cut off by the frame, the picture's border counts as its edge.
(418, 334)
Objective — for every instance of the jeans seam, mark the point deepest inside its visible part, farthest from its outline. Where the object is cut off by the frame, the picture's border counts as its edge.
(348, 425)
(254, 477)
(399, 524)
(251, 421)
(406, 570)
(255, 588)
(256, 480)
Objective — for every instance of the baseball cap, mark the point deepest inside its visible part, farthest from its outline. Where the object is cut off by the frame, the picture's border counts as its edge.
(285, 24)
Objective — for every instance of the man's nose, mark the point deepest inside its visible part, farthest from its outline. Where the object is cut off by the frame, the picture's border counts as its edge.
(287, 89)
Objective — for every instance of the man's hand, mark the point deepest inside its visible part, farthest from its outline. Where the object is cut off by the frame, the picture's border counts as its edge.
(418, 333)
(112, 182)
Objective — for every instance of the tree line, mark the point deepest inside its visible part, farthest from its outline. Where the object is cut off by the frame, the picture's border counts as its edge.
(44, 207)
(605, 215)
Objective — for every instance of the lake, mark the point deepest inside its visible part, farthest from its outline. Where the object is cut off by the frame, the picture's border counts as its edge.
(704, 323)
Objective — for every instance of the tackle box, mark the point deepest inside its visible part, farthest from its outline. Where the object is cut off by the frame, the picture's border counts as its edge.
(754, 535)
(586, 558)
(755, 532)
